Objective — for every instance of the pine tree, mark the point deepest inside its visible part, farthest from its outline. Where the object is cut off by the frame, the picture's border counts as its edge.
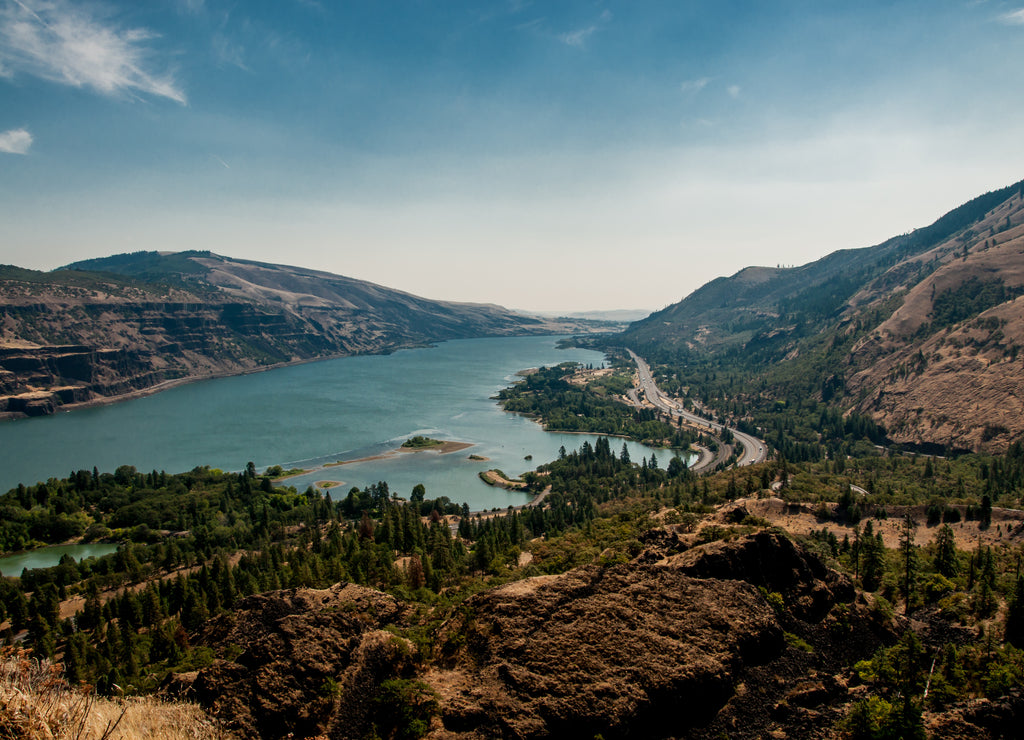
(908, 558)
(414, 573)
(874, 558)
(1015, 616)
(946, 562)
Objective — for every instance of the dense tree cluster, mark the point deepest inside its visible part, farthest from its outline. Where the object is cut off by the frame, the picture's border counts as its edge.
(565, 407)
(194, 543)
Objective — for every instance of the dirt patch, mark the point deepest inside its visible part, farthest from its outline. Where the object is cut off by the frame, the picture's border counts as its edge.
(1007, 525)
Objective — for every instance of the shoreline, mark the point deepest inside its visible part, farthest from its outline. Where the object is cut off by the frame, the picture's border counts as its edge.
(166, 385)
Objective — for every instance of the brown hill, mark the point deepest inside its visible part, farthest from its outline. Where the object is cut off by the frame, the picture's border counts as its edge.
(922, 333)
(944, 367)
(104, 328)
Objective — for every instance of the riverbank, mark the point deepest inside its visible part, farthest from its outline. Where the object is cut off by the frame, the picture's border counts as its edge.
(495, 477)
(310, 414)
(176, 382)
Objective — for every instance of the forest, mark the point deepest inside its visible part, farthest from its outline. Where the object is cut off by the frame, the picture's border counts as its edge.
(193, 544)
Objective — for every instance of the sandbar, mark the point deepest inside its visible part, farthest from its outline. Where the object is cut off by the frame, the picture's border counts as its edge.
(446, 447)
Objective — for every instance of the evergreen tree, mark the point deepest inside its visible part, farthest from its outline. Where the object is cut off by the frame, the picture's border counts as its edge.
(874, 558)
(908, 559)
(1015, 616)
(946, 562)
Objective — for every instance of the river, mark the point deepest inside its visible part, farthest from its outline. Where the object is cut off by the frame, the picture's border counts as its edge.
(321, 412)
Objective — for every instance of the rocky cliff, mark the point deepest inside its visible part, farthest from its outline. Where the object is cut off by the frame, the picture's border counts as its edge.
(105, 328)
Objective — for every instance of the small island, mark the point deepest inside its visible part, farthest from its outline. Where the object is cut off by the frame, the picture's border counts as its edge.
(419, 442)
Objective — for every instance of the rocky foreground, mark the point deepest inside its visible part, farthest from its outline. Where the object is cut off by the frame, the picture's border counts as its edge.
(751, 637)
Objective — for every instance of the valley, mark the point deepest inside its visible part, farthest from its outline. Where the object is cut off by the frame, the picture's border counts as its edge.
(821, 535)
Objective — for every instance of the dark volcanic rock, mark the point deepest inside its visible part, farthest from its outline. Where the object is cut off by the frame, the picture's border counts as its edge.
(302, 661)
(981, 718)
(770, 560)
(669, 645)
(653, 645)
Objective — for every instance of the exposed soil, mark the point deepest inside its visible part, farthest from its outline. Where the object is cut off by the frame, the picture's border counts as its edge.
(1007, 525)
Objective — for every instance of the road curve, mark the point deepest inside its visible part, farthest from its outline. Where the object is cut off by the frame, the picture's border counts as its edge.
(753, 448)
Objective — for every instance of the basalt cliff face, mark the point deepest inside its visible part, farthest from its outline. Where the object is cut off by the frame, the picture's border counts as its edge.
(680, 642)
(106, 328)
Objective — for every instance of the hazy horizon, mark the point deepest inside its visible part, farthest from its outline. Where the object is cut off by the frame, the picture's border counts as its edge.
(602, 155)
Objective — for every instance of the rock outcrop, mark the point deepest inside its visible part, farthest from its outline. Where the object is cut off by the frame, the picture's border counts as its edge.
(664, 643)
(673, 644)
(303, 661)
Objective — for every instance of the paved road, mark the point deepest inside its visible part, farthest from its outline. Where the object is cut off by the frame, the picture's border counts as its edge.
(753, 448)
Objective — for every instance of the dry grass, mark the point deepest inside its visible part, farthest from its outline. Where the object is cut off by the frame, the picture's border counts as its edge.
(37, 703)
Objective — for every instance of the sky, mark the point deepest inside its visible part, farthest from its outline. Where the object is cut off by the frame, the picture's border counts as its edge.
(540, 155)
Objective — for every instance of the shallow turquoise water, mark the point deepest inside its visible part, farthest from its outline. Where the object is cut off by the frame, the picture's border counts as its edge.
(46, 557)
(320, 412)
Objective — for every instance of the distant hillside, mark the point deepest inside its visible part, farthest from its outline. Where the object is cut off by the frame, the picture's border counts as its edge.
(921, 332)
(620, 316)
(107, 327)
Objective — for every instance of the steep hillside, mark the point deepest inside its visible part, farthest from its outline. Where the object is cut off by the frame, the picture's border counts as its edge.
(921, 333)
(107, 327)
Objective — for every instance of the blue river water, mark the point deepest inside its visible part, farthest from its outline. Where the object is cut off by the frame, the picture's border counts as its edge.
(322, 412)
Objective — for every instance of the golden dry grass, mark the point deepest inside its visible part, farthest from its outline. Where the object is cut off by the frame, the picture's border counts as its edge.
(37, 703)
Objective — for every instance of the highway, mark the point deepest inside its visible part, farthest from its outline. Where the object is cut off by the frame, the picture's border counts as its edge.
(753, 448)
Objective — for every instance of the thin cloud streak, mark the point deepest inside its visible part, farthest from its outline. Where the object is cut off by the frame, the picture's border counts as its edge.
(66, 44)
(694, 86)
(578, 38)
(15, 141)
(1013, 18)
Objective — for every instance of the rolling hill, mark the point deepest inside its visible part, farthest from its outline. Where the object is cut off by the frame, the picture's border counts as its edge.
(922, 332)
(103, 328)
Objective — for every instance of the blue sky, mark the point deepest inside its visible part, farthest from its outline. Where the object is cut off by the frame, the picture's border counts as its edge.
(541, 155)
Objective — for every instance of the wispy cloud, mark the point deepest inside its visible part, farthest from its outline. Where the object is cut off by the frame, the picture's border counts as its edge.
(191, 6)
(692, 87)
(73, 45)
(229, 53)
(578, 38)
(733, 90)
(1013, 18)
(15, 141)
